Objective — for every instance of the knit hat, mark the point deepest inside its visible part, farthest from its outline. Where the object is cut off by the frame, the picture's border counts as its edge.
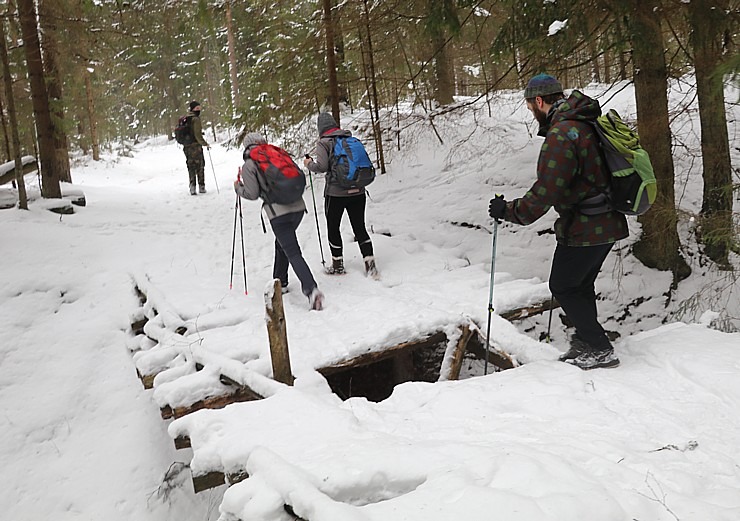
(542, 85)
(326, 122)
(254, 138)
(193, 104)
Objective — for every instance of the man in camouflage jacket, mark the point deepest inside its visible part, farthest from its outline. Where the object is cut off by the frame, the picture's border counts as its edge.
(569, 156)
(194, 158)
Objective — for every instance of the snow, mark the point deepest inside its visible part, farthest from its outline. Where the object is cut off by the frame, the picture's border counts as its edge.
(657, 438)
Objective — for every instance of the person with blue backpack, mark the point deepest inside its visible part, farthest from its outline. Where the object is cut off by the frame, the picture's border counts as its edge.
(349, 170)
(270, 174)
(570, 170)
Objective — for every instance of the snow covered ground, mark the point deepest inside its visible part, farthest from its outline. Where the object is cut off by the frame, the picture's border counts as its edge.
(656, 439)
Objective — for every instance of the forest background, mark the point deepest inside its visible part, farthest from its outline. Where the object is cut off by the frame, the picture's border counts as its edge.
(81, 75)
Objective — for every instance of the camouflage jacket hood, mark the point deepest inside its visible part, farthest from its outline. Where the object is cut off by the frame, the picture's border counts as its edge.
(578, 107)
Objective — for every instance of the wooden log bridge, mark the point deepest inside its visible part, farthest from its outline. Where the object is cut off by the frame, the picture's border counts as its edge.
(7, 170)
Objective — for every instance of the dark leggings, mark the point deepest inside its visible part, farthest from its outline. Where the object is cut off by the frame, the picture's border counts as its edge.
(572, 277)
(334, 208)
(287, 251)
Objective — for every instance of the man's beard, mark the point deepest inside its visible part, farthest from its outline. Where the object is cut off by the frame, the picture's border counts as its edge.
(540, 116)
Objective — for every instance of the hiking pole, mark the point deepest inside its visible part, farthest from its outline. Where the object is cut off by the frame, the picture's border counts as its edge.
(490, 294)
(213, 170)
(241, 231)
(549, 319)
(233, 242)
(316, 215)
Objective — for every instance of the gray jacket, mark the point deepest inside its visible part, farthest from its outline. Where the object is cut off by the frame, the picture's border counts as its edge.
(250, 189)
(328, 130)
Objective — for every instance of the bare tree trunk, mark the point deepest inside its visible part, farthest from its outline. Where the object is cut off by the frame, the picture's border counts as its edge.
(92, 117)
(48, 15)
(6, 131)
(232, 61)
(40, 99)
(444, 77)
(8, 81)
(708, 25)
(331, 65)
(658, 247)
(374, 93)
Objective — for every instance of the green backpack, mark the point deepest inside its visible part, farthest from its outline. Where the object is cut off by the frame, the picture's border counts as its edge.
(632, 187)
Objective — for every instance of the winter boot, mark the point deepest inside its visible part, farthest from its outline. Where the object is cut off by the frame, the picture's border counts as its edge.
(202, 189)
(595, 359)
(577, 346)
(316, 300)
(370, 269)
(192, 189)
(337, 266)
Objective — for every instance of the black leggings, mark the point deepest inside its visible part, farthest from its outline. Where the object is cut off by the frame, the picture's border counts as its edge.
(334, 208)
(572, 277)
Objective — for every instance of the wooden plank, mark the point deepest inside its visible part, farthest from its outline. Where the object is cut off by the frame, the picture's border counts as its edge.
(242, 394)
(459, 353)
(528, 311)
(182, 442)
(215, 479)
(278, 335)
(496, 357)
(376, 356)
(10, 175)
(147, 380)
(205, 481)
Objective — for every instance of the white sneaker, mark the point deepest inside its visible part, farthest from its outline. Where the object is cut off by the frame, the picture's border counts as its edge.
(371, 270)
(316, 300)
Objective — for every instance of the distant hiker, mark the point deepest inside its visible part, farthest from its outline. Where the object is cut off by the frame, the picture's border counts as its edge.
(568, 157)
(269, 173)
(194, 150)
(338, 198)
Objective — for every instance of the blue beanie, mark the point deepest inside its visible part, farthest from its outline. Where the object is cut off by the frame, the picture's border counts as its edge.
(542, 85)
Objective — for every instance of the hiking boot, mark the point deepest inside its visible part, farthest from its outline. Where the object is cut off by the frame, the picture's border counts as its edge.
(577, 346)
(595, 359)
(370, 269)
(192, 189)
(316, 300)
(202, 189)
(337, 266)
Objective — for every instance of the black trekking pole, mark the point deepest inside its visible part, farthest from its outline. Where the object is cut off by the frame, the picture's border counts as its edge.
(316, 215)
(549, 319)
(233, 242)
(241, 231)
(490, 295)
(213, 170)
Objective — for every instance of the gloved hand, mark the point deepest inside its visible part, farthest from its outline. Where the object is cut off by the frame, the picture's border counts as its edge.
(238, 183)
(497, 207)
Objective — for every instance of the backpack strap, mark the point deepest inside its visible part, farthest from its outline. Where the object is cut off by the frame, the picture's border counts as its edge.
(599, 203)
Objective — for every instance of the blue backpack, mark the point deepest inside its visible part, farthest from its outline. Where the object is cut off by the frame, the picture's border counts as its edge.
(350, 164)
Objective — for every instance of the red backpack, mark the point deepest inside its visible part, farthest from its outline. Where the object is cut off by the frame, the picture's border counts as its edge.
(283, 182)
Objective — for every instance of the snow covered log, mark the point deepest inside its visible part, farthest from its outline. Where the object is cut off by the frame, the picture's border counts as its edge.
(7, 170)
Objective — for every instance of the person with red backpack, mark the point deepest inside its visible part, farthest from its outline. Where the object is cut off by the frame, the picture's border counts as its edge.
(340, 197)
(270, 174)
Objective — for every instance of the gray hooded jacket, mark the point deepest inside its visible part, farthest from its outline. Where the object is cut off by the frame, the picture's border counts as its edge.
(328, 130)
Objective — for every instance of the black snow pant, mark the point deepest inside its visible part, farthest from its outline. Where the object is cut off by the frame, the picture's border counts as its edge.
(334, 208)
(572, 277)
